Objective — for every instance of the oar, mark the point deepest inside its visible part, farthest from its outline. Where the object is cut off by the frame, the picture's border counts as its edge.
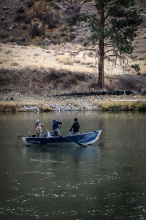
(81, 145)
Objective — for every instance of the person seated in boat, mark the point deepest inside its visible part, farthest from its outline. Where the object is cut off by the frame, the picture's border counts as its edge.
(56, 128)
(75, 127)
(38, 128)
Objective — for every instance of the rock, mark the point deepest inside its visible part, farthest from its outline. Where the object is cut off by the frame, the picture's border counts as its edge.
(10, 28)
(5, 98)
(2, 18)
(5, 8)
(72, 36)
(21, 39)
(11, 39)
(23, 26)
(8, 52)
(3, 34)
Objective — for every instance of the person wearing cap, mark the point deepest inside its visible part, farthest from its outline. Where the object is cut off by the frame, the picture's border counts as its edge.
(38, 128)
(56, 128)
(75, 127)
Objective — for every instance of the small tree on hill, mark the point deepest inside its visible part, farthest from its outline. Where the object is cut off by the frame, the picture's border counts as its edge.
(113, 28)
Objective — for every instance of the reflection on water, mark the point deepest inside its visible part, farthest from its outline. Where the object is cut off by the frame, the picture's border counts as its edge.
(104, 181)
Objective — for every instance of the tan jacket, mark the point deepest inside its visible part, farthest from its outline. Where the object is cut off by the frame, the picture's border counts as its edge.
(38, 128)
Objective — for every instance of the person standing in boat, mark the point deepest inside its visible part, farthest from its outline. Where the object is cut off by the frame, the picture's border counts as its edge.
(39, 128)
(56, 127)
(75, 127)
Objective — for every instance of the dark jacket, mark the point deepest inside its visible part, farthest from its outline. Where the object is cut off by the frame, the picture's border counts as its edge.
(75, 127)
(56, 124)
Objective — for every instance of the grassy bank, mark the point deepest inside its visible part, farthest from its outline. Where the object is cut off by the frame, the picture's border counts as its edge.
(124, 106)
(12, 106)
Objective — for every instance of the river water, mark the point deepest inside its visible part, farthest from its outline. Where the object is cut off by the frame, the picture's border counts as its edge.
(105, 181)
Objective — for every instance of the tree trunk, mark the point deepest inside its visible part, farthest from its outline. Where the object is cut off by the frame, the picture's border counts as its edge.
(101, 65)
(101, 49)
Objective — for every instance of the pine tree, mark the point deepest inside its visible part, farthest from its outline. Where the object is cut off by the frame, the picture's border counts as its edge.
(113, 28)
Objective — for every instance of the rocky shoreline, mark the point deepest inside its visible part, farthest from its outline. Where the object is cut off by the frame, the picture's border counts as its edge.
(77, 102)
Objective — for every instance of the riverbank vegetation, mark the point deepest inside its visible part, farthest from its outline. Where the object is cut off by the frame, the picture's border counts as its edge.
(48, 82)
(63, 90)
(92, 103)
(124, 106)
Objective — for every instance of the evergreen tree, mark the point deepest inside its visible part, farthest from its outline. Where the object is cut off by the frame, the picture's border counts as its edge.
(113, 28)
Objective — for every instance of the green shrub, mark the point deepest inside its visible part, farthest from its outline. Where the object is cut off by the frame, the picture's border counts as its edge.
(14, 64)
(136, 67)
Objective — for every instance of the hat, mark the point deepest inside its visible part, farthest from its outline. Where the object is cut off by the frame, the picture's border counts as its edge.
(37, 121)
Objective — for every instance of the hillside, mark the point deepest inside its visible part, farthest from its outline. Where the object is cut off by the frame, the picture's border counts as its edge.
(30, 49)
(44, 22)
(35, 71)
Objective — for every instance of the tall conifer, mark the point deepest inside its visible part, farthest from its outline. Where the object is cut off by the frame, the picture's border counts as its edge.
(113, 28)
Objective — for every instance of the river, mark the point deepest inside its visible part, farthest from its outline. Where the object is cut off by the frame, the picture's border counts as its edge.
(105, 181)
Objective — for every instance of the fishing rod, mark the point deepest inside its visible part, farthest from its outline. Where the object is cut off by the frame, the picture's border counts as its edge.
(18, 138)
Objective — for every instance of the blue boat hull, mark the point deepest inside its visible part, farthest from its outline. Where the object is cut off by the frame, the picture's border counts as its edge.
(80, 139)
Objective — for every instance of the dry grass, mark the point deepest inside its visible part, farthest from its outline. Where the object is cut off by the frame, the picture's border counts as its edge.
(56, 57)
(9, 106)
(46, 82)
(123, 106)
(63, 58)
(31, 71)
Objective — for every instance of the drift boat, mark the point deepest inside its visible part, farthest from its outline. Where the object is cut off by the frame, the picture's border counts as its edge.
(79, 139)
